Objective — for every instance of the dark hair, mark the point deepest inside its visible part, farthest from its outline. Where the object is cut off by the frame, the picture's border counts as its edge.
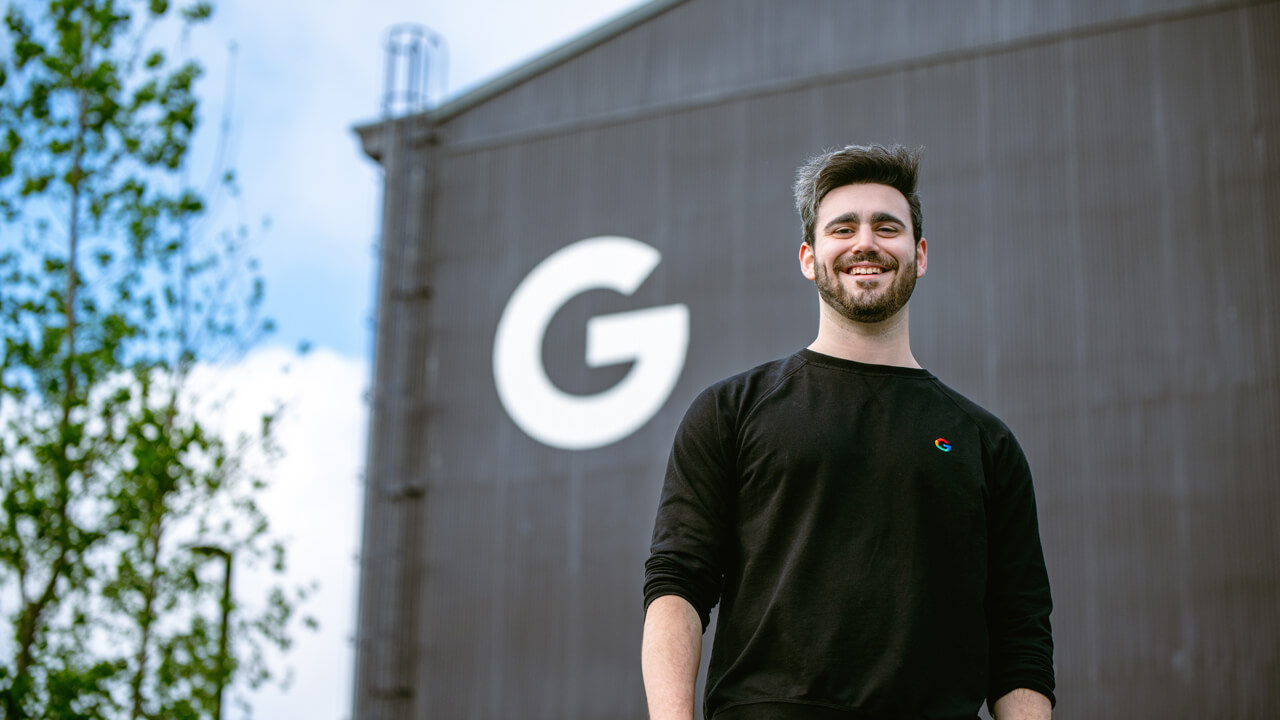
(896, 166)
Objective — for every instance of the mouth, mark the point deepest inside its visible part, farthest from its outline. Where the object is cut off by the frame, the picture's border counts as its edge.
(865, 270)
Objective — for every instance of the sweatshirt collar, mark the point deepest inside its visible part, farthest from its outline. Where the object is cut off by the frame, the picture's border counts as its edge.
(817, 358)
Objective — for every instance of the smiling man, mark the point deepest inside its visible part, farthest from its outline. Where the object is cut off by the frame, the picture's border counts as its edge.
(869, 534)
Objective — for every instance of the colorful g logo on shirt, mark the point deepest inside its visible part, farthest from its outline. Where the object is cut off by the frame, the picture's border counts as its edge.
(655, 339)
(942, 444)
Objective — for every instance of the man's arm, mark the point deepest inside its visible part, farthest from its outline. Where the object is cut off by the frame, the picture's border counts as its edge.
(669, 657)
(1023, 704)
(684, 573)
(1018, 603)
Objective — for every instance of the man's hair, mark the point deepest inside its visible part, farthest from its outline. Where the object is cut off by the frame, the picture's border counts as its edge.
(896, 166)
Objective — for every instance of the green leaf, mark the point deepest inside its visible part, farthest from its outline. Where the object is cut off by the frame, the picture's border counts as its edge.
(198, 11)
(24, 51)
(36, 184)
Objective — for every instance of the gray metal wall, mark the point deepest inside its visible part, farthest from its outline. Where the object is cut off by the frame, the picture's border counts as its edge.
(1101, 191)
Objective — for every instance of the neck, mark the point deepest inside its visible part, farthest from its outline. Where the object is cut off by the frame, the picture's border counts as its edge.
(887, 342)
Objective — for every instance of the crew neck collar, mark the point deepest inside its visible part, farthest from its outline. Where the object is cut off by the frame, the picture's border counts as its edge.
(817, 358)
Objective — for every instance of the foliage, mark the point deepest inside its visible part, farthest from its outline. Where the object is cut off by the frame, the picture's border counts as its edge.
(108, 300)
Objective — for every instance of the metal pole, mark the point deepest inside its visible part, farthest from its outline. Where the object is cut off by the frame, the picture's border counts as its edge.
(222, 636)
(226, 616)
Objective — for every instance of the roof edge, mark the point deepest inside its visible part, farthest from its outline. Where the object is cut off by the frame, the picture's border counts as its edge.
(551, 59)
(539, 64)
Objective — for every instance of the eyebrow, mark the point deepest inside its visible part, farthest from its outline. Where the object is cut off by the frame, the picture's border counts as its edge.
(853, 218)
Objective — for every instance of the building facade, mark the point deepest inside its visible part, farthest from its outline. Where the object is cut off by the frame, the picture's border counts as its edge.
(572, 252)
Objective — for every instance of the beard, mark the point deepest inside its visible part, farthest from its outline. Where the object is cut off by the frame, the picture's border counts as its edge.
(872, 302)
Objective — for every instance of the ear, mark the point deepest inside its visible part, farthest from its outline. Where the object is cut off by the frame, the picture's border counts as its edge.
(922, 257)
(806, 260)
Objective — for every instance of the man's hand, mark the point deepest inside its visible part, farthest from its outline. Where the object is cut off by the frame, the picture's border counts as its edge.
(669, 657)
(1022, 704)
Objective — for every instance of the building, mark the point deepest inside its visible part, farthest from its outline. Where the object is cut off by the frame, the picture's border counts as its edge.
(570, 253)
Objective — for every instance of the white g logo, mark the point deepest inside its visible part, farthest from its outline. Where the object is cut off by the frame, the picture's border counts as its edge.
(655, 338)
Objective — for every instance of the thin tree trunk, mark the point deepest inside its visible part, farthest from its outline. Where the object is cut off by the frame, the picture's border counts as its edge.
(159, 509)
(27, 636)
(32, 613)
(146, 619)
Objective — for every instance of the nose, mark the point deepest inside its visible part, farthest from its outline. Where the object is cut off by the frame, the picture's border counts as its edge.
(864, 240)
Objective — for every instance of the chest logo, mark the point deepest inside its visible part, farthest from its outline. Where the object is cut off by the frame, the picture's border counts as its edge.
(942, 444)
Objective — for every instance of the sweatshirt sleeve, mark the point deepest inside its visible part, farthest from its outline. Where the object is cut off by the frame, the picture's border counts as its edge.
(1018, 598)
(689, 535)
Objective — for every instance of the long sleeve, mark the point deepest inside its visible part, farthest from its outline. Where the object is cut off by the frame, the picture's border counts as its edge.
(689, 536)
(1018, 600)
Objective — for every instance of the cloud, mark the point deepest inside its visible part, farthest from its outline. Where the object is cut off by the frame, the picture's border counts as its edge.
(314, 503)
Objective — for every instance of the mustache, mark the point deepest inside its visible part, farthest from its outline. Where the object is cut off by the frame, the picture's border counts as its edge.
(844, 263)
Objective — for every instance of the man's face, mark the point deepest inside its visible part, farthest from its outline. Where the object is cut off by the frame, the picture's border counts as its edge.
(864, 258)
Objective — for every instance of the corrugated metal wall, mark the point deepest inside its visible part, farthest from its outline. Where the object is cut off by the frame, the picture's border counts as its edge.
(1101, 191)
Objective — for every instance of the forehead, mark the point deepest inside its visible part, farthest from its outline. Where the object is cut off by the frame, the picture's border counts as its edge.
(863, 199)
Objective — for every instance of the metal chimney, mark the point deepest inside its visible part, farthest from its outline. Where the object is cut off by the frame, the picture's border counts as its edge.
(415, 71)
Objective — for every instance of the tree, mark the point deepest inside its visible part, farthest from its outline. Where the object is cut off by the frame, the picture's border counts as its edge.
(109, 297)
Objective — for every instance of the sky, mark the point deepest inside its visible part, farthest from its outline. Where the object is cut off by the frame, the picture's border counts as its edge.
(301, 75)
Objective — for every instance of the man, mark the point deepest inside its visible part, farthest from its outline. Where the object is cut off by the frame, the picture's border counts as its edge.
(869, 533)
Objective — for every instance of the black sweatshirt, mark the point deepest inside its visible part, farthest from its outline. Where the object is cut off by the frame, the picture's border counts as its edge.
(871, 537)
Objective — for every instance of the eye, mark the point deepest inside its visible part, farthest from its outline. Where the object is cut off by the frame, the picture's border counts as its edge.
(842, 231)
(888, 230)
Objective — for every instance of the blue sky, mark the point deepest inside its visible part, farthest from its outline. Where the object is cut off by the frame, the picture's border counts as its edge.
(304, 74)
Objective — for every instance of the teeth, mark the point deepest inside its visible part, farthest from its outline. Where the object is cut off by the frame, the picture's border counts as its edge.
(864, 271)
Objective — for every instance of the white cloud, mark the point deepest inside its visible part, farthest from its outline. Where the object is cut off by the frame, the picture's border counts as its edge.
(314, 503)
